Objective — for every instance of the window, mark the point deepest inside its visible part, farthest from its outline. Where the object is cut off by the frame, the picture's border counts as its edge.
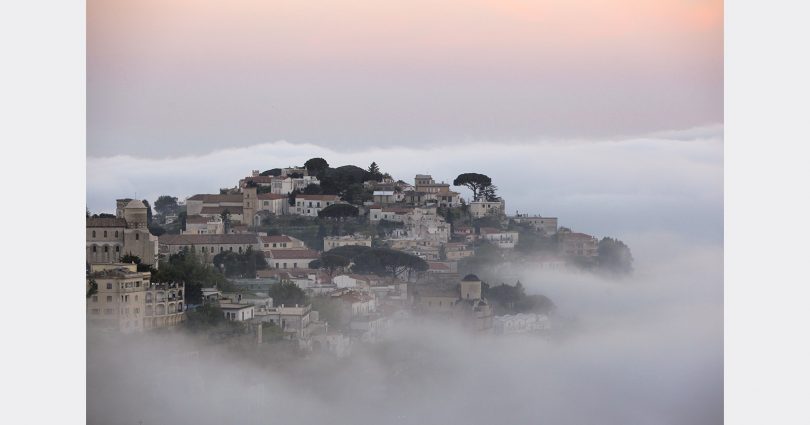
(105, 233)
(94, 233)
(108, 311)
(116, 233)
(94, 248)
(137, 236)
(117, 248)
(106, 248)
(95, 298)
(95, 311)
(109, 298)
(109, 286)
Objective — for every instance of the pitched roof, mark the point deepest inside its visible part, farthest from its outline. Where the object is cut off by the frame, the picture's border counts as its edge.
(220, 210)
(318, 197)
(105, 222)
(191, 239)
(216, 199)
(259, 179)
(135, 203)
(292, 254)
(582, 236)
(197, 219)
(437, 266)
(270, 196)
(276, 238)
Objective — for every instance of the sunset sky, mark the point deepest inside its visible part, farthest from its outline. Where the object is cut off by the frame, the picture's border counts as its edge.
(188, 77)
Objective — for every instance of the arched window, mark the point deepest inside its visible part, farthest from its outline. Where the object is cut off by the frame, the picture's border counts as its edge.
(95, 248)
(94, 233)
(106, 248)
(105, 233)
(117, 248)
(148, 297)
(137, 236)
(116, 233)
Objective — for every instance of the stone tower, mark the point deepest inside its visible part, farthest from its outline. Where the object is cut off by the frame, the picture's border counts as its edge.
(249, 204)
(471, 287)
(135, 214)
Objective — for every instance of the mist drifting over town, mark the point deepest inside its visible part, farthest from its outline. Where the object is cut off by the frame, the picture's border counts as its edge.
(646, 348)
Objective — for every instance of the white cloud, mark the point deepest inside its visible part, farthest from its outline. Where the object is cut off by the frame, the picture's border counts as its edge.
(609, 187)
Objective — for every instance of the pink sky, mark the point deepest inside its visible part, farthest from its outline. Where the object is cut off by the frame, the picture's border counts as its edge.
(194, 75)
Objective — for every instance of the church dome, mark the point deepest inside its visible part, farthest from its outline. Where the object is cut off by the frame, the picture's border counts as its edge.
(136, 203)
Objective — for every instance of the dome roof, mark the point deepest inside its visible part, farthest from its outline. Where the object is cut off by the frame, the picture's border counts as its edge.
(136, 203)
(470, 278)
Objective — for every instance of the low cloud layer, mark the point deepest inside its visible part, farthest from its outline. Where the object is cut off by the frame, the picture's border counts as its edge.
(670, 181)
(647, 350)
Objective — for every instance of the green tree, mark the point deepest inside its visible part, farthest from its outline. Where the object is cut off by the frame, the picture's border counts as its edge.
(291, 197)
(226, 220)
(92, 287)
(313, 189)
(388, 261)
(287, 293)
(339, 211)
(614, 256)
(148, 212)
(473, 181)
(166, 205)
(374, 170)
(316, 166)
(205, 317)
(330, 262)
(185, 267)
(275, 172)
(489, 193)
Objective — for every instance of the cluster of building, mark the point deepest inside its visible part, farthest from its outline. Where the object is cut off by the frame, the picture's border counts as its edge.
(353, 307)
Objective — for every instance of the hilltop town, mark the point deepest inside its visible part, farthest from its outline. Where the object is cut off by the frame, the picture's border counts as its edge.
(321, 258)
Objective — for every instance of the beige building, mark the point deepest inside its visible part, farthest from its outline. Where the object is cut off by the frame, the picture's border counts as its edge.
(127, 301)
(109, 239)
(290, 258)
(196, 203)
(199, 225)
(577, 244)
(207, 246)
(544, 225)
(464, 302)
(280, 242)
(330, 242)
(479, 209)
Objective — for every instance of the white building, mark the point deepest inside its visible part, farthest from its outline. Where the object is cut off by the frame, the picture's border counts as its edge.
(521, 323)
(502, 238)
(330, 242)
(311, 205)
(199, 225)
(237, 312)
(271, 242)
(544, 225)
